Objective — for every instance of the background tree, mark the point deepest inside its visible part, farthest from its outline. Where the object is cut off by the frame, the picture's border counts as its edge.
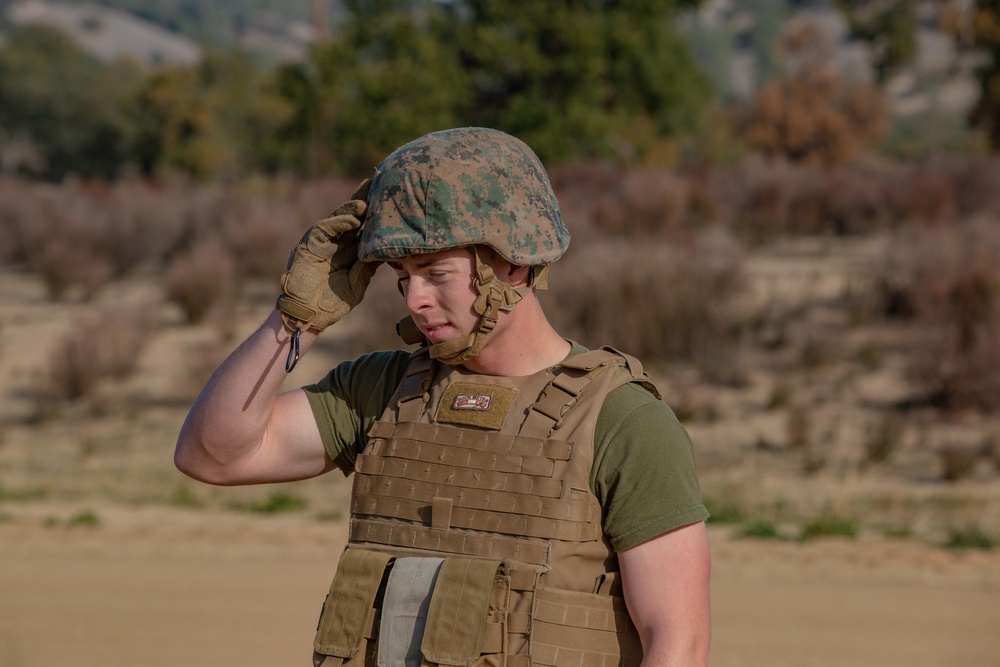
(76, 113)
(390, 75)
(890, 29)
(219, 118)
(575, 78)
(986, 39)
(579, 77)
(811, 114)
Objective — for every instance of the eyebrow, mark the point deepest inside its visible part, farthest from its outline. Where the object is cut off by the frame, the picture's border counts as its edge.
(420, 263)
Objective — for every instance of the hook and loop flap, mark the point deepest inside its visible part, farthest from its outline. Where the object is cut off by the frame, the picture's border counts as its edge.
(459, 608)
(350, 602)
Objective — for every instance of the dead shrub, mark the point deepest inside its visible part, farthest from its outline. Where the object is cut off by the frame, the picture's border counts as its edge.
(811, 114)
(948, 277)
(882, 440)
(855, 198)
(762, 200)
(798, 426)
(103, 346)
(958, 460)
(200, 278)
(145, 223)
(381, 309)
(63, 267)
(660, 302)
(608, 199)
(923, 192)
(768, 199)
(261, 233)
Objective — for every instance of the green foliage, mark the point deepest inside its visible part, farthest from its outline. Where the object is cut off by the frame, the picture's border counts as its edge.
(84, 519)
(384, 81)
(970, 537)
(183, 496)
(723, 513)
(572, 79)
(75, 112)
(890, 28)
(986, 37)
(278, 502)
(760, 529)
(581, 78)
(33, 493)
(829, 525)
(217, 119)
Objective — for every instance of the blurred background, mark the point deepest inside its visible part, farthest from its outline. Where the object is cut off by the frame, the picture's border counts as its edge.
(789, 210)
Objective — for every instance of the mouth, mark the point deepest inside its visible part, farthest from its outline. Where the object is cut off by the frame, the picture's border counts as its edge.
(434, 331)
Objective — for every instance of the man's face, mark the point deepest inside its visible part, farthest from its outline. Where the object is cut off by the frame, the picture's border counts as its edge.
(439, 293)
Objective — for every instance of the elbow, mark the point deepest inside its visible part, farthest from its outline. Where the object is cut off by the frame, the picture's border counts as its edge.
(692, 652)
(192, 460)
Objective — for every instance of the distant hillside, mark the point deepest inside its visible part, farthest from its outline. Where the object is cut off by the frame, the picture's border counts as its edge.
(108, 34)
(169, 31)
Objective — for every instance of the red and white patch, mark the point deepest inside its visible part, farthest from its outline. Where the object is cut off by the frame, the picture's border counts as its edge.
(472, 402)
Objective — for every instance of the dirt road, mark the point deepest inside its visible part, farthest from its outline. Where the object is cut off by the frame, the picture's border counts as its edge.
(167, 587)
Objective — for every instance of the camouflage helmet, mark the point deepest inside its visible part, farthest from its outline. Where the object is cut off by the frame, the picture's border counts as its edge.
(463, 187)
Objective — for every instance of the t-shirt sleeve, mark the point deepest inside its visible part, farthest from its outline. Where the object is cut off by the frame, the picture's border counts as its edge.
(644, 469)
(350, 398)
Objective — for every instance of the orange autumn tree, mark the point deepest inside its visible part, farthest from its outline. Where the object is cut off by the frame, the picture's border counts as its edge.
(811, 114)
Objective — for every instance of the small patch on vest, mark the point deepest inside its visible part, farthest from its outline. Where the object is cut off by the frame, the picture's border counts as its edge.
(472, 402)
(475, 404)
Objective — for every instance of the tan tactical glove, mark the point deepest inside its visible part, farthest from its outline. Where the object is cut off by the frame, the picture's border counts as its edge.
(324, 279)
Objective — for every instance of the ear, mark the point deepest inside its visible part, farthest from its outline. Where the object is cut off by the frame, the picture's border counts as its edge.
(516, 275)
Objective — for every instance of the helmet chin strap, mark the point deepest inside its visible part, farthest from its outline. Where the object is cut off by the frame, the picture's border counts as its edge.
(495, 296)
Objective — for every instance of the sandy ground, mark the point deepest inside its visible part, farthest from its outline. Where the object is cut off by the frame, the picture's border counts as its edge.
(156, 583)
(165, 587)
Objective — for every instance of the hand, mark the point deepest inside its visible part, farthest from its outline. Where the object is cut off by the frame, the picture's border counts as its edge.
(324, 279)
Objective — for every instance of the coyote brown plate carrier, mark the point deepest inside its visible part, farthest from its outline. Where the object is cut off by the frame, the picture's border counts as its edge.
(490, 474)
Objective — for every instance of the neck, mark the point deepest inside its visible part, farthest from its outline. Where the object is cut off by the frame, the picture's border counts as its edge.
(523, 343)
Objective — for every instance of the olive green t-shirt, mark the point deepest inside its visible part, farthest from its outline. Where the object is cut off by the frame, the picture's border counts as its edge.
(644, 471)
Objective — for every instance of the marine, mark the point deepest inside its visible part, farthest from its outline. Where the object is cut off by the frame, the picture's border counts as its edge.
(518, 499)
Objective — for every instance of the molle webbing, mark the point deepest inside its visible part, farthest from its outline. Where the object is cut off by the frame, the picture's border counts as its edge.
(486, 508)
(570, 379)
(429, 540)
(577, 630)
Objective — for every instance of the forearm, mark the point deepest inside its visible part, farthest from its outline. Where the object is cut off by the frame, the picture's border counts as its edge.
(229, 420)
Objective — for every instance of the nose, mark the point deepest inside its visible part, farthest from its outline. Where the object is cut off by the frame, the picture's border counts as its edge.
(415, 294)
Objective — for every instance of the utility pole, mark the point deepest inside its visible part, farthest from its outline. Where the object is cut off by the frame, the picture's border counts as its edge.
(321, 30)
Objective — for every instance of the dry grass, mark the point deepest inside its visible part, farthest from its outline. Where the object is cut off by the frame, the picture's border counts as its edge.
(744, 290)
(104, 346)
(659, 301)
(201, 278)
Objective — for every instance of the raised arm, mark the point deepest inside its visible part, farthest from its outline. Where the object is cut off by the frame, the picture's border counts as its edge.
(666, 585)
(241, 430)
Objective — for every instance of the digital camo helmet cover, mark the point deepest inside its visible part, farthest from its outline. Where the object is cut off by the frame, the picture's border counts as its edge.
(463, 187)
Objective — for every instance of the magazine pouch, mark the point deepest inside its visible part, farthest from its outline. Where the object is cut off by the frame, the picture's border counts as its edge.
(348, 619)
(467, 618)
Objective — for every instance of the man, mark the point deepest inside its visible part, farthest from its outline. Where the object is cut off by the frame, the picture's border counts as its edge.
(518, 500)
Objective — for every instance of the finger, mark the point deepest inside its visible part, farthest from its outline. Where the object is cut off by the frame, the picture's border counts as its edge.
(355, 207)
(362, 191)
(337, 225)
